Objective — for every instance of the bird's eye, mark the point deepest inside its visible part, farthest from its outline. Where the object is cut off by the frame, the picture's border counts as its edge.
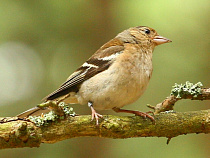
(147, 31)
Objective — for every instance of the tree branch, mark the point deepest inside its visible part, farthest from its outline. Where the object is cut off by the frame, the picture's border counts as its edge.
(53, 127)
(170, 101)
(16, 133)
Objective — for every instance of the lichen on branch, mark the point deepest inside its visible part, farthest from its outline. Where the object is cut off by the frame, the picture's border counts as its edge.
(188, 88)
(52, 116)
(20, 133)
(61, 123)
(182, 91)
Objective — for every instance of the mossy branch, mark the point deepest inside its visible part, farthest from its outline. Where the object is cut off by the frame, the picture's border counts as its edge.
(182, 91)
(61, 123)
(15, 133)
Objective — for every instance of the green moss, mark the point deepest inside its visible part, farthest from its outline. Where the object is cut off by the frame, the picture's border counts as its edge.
(45, 119)
(179, 90)
(52, 104)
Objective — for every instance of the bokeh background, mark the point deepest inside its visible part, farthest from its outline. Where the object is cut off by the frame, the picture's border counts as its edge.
(42, 42)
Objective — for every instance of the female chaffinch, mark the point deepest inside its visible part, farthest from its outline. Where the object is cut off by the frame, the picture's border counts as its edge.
(117, 74)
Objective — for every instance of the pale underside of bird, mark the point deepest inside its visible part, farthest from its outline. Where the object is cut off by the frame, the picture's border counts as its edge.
(116, 75)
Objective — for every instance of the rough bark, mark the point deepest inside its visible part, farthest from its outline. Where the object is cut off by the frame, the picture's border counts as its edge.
(15, 133)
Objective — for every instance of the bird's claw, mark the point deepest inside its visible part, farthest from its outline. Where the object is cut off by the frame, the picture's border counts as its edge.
(146, 115)
(95, 115)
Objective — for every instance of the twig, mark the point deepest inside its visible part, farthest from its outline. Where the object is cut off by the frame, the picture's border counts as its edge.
(182, 91)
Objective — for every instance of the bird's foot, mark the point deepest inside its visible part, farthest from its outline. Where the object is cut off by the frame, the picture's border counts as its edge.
(138, 113)
(95, 115)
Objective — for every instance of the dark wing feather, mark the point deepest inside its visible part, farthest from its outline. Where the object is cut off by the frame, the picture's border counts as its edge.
(84, 72)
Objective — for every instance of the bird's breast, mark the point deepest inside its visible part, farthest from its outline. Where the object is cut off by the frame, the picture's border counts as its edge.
(122, 83)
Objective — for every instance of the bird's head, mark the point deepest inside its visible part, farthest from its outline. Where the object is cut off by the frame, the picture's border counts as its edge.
(142, 35)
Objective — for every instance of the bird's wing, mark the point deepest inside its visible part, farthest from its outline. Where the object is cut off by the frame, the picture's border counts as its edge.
(90, 68)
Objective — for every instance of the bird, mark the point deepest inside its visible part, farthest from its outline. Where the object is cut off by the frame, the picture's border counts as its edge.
(117, 74)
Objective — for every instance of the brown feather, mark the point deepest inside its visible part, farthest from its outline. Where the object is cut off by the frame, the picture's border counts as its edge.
(84, 72)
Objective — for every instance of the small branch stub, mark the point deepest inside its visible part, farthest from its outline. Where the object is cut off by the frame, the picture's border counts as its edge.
(182, 91)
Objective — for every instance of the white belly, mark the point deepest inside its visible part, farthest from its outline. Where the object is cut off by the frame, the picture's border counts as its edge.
(117, 86)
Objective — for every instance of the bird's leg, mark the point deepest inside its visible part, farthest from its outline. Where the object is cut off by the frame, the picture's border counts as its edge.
(94, 113)
(139, 113)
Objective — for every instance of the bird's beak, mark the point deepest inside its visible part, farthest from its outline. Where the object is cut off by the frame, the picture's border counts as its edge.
(160, 40)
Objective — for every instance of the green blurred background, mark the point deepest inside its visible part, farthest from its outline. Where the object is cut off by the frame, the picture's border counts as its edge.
(42, 42)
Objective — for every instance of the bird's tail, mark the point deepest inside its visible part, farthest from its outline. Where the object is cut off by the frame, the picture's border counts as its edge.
(35, 111)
